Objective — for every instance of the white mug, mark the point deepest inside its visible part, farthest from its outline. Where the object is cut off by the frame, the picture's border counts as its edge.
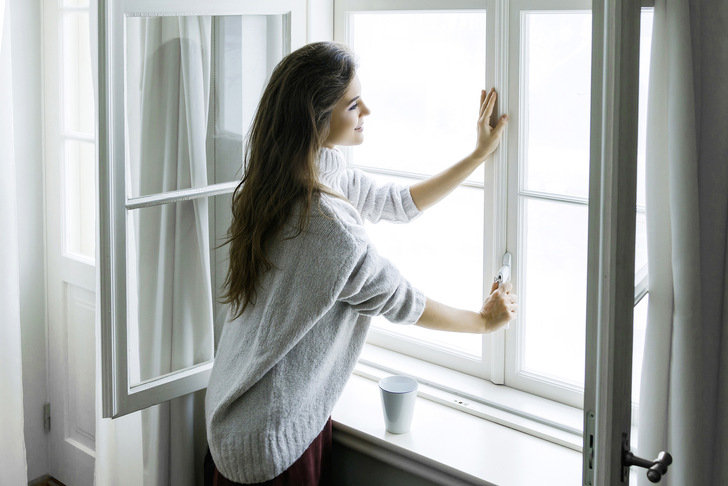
(398, 402)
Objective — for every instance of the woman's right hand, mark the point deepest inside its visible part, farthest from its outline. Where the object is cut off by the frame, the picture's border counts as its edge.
(499, 307)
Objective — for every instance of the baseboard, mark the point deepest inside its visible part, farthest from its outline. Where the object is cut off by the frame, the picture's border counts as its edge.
(45, 480)
(41, 481)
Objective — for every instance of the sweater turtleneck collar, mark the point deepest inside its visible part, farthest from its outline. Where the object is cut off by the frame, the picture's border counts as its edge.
(330, 163)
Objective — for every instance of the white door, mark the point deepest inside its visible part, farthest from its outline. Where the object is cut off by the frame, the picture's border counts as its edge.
(70, 235)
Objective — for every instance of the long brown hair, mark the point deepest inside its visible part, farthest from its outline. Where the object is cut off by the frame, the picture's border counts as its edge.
(290, 127)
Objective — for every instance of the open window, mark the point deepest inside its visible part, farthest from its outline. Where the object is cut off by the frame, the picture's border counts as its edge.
(179, 85)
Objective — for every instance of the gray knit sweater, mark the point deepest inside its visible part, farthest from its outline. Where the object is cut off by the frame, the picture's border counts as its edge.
(281, 366)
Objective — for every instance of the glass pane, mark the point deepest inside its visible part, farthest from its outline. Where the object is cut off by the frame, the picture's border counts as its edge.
(450, 239)
(174, 273)
(79, 204)
(78, 101)
(552, 265)
(181, 70)
(75, 3)
(645, 51)
(421, 76)
(556, 82)
(238, 95)
(229, 85)
(638, 345)
(640, 251)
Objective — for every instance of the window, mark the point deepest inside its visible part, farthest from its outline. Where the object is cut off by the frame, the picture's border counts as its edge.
(410, 137)
(71, 131)
(530, 199)
(422, 68)
(179, 108)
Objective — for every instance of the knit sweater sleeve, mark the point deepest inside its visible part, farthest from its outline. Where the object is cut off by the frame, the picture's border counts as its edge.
(375, 202)
(374, 286)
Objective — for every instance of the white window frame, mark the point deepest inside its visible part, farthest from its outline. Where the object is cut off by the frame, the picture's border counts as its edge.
(501, 185)
(119, 396)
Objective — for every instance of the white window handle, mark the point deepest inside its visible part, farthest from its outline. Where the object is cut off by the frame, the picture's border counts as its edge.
(504, 273)
(504, 276)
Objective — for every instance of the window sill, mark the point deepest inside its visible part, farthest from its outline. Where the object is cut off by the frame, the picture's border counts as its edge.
(522, 411)
(456, 440)
(449, 447)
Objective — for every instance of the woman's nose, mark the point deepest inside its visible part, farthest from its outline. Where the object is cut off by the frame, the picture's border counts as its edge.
(364, 110)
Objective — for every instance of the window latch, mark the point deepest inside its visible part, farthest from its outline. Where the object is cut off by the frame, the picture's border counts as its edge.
(504, 276)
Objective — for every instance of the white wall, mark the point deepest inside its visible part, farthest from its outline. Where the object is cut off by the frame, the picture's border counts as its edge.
(26, 56)
(352, 468)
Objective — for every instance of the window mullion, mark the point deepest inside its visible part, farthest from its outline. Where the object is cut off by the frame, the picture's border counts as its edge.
(181, 195)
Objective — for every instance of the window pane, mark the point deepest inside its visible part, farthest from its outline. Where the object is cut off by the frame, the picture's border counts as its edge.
(78, 107)
(262, 36)
(75, 3)
(441, 253)
(553, 266)
(645, 51)
(79, 204)
(555, 160)
(173, 288)
(641, 257)
(556, 82)
(638, 345)
(229, 76)
(175, 76)
(421, 76)
(640, 252)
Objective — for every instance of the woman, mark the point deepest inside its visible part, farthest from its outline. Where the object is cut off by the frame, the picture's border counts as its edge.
(304, 279)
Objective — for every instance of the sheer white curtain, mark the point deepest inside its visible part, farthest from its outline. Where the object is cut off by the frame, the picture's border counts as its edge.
(685, 370)
(175, 301)
(13, 468)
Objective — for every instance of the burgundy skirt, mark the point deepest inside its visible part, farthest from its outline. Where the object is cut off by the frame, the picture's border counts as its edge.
(313, 468)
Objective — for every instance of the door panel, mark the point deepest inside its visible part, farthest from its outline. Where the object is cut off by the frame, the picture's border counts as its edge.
(72, 384)
(79, 371)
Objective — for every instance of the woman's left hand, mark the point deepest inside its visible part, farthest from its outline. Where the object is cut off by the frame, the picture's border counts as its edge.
(499, 308)
(488, 137)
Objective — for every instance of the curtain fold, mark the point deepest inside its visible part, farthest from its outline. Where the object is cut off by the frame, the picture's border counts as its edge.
(684, 369)
(709, 21)
(13, 466)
